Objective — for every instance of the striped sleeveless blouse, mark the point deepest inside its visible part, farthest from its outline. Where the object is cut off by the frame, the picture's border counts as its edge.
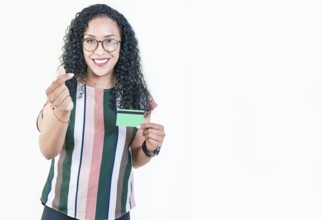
(91, 178)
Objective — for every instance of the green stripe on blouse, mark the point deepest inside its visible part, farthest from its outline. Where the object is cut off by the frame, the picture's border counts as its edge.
(47, 187)
(109, 148)
(69, 144)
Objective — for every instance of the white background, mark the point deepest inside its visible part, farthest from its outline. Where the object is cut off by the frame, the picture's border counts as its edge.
(238, 85)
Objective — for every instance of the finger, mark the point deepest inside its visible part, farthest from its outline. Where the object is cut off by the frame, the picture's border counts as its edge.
(61, 70)
(63, 101)
(65, 104)
(61, 79)
(152, 144)
(68, 103)
(153, 131)
(58, 82)
(154, 137)
(151, 125)
(61, 96)
(56, 93)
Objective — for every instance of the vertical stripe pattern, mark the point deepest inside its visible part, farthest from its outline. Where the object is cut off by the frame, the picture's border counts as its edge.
(87, 156)
(92, 178)
(76, 153)
(96, 158)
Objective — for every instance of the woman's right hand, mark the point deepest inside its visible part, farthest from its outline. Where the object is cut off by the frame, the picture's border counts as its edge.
(58, 93)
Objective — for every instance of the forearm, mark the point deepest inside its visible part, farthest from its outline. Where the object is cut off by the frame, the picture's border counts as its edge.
(53, 134)
(139, 158)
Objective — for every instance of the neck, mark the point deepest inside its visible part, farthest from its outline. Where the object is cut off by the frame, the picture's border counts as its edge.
(100, 82)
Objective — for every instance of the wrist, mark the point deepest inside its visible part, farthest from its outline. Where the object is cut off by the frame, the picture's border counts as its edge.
(149, 153)
(62, 116)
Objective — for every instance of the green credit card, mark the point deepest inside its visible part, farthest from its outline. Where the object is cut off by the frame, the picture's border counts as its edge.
(129, 117)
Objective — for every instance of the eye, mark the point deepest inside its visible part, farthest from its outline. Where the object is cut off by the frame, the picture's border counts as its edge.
(110, 41)
(90, 41)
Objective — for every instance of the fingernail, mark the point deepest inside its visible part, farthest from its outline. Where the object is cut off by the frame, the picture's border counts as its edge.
(70, 75)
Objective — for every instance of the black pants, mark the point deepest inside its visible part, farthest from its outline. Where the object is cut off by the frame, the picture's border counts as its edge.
(51, 214)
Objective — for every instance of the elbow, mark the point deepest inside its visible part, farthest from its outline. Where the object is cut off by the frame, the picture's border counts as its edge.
(46, 153)
(48, 157)
(135, 165)
(46, 150)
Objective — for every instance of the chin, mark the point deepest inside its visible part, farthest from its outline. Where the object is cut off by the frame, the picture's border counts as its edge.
(102, 72)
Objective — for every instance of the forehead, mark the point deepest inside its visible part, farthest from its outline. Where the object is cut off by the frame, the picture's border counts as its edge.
(102, 26)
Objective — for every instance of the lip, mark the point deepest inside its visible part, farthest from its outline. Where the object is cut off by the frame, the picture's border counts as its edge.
(101, 61)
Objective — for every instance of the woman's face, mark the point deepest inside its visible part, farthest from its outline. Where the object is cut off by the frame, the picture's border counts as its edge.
(101, 60)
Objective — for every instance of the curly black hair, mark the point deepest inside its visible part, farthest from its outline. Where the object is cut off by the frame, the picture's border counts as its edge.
(130, 90)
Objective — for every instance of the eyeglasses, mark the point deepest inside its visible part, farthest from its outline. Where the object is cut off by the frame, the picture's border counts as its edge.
(109, 45)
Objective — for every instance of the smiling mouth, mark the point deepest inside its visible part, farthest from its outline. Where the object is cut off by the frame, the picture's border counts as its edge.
(101, 61)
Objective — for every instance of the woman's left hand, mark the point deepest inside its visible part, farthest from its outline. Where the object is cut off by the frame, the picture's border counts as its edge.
(154, 135)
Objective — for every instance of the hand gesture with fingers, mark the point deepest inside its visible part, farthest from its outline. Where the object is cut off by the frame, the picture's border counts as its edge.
(154, 135)
(58, 93)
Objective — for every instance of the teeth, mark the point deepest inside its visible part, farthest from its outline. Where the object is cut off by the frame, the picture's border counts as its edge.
(100, 61)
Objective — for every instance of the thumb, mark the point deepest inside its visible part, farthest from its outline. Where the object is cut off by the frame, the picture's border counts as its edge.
(61, 70)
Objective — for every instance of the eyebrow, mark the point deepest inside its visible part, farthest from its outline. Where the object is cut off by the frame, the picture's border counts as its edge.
(110, 35)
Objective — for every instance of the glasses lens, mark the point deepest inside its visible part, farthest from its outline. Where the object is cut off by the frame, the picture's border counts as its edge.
(110, 44)
(90, 44)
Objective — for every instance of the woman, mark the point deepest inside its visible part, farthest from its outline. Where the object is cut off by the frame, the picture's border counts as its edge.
(92, 158)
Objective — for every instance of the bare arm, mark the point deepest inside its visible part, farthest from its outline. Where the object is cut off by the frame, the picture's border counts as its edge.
(153, 134)
(52, 131)
(54, 121)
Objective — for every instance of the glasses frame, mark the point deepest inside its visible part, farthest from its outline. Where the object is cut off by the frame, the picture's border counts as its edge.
(100, 42)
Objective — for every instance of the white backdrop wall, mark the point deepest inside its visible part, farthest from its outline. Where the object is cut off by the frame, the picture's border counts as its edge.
(260, 115)
(238, 85)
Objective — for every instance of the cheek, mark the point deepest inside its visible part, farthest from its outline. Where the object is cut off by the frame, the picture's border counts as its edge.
(86, 57)
(116, 56)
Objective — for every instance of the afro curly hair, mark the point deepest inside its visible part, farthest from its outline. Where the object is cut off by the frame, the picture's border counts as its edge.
(130, 90)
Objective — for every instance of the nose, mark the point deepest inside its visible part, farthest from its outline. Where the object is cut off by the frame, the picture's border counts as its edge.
(100, 49)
